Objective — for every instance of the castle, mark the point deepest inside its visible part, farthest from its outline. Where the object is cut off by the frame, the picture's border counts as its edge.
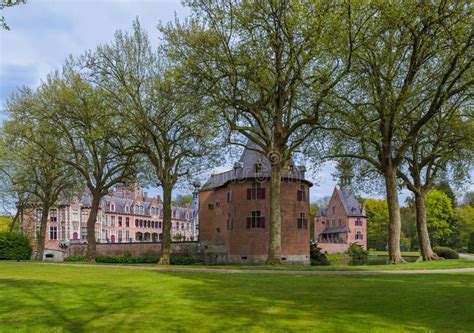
(227, 218)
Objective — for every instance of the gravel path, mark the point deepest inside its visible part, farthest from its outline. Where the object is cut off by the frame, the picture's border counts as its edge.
(466, 256)
(268, 271)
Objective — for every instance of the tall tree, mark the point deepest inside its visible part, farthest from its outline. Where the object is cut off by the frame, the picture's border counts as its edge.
(447, 141)
(415, 57)
(168, 122)
(266, 67)
(90, 135)
(439, 213)
(30, 165)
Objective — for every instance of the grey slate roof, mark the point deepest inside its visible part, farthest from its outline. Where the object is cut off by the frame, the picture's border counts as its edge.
(350, 203)
(336, 230)
(246, 168)
(322, 212)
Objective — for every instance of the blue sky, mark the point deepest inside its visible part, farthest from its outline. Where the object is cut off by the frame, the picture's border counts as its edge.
(45, 32)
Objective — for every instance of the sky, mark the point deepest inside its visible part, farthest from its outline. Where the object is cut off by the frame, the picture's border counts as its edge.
(45, 32)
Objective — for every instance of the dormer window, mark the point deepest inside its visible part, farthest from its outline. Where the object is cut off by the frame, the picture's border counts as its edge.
(127, 209)
(112, 207)
(333, 210)
(258, 167)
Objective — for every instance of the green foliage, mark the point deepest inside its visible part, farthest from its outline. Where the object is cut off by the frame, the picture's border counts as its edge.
(439, 213)
(471, 243)
(182, 200)
(5, 223)
(74, 259)
(317, 257)
(445, 187)
(182, 261)
(446, 252)
(377, 223)
(357, 252)
(142, 259)
(14, 246)
(463, 226)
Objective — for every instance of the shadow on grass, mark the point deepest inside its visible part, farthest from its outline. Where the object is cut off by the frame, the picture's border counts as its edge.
(334, 303)
(82, 299)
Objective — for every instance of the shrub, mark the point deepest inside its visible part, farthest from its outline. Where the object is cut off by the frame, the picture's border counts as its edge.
(142, 259)
(446, 252)
(317, 258)
(181, 261)
(75, 258)
(14, 246)
(470, 247)
(357, 252)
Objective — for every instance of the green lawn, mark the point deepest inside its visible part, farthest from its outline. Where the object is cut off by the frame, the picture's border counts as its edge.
(43, 298)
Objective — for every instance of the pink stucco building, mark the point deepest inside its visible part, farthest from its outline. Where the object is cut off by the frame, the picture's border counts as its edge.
(343, 223)
(125, 216)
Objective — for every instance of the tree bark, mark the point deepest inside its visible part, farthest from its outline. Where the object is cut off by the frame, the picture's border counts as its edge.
(91, 221)
(394, 222)
(40, 238)
(424, 243)
(274, 239)
(166, 242)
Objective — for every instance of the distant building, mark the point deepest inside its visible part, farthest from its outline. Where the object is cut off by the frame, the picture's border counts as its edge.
(234, 211)
(125, 216)
(344, 222)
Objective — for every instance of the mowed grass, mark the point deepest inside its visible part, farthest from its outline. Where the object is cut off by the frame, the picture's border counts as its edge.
(55, 298)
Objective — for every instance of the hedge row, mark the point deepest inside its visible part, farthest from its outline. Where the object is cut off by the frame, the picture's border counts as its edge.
(446, 252)
(128, 259)
(14, 246)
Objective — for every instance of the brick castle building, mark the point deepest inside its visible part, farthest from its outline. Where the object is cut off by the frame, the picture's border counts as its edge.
(344, 222)
(234, 210)
(125, 216)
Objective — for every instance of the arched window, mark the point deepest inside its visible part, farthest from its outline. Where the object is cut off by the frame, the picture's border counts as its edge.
(153, 224)
(136, 223)
(141, 223)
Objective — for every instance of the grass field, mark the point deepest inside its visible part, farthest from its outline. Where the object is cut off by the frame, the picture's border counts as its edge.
(438, 264)
(55, 298)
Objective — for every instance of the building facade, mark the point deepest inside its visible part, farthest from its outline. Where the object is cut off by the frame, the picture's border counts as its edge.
(125, 216)
(234, 211)
(343, 223)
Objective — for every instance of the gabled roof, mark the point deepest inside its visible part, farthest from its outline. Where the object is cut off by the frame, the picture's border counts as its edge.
(349, 201)
(245, 168)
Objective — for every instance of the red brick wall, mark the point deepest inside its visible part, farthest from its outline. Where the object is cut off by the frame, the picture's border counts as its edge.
(241, 241)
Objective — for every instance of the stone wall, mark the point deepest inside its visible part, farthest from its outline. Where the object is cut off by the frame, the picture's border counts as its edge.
(334, 247)
(196, 250)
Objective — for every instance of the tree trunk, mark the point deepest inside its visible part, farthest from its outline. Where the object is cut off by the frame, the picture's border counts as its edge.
(394, 222)
(40, 238)
(91, 221)
(166, 242)
(274, 239)
(422, 228)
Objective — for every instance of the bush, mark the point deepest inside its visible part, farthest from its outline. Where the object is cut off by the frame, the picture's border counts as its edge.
(446, 252)
(317, 258)
(357, 252)
(470, 247)
(181, 261)
(75, 258)
(142, 259)
(14, 246)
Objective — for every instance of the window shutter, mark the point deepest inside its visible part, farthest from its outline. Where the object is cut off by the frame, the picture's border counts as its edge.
(262, 222)
(249, 222)
(299, 222)
(299, 195)
(249, 194)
